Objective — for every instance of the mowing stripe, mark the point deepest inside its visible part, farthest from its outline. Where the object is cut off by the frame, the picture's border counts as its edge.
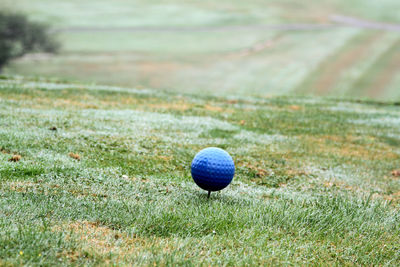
(378, 77)
(387, 74)
(323, 80)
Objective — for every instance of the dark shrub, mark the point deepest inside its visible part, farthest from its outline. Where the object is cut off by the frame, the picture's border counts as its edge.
(19, 36)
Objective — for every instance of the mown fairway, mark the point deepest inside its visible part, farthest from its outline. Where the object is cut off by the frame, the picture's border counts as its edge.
(258, 48)
(314, 182)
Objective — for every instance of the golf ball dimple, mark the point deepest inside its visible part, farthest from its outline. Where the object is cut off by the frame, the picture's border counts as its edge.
(213, 169)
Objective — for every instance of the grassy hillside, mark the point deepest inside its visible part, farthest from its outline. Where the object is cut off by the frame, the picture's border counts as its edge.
(104, 177)
(221, 47)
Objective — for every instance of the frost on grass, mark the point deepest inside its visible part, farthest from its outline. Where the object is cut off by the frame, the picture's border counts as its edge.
(62, 86)
(348, 178)
(20, 186)
(129, 124)
(255, 138)
(387, 121)
(359, 109)
(157, 120)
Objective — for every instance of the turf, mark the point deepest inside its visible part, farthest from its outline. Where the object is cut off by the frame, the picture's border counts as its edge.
(220, 47)
(104, 178)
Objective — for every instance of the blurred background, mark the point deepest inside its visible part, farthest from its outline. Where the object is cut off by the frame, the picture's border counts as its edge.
(337, 48)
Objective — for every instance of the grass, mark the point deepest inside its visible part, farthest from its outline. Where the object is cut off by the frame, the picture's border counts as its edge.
(313, 183)
(218, 57)
(183, 13)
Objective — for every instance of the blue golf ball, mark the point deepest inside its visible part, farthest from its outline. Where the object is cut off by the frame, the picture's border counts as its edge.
(213, 169)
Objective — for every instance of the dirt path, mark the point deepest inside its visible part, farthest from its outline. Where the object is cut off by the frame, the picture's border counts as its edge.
(272, 27)
(365, 24)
